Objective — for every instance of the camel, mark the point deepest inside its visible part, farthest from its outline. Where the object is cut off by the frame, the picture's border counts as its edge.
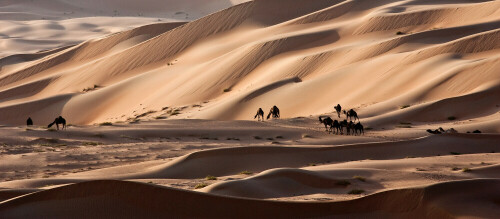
(441, 131)
(259, 115)
(275, 112)
(327, 122)
(342, 125)
(434, 131)
(336, 127)
(57, 121)
(351, 114)
(29, 122)
(338, 108)
(350, 128)
(360, 128)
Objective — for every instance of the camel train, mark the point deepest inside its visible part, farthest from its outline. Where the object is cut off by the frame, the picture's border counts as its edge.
(274, 112)
(337, 127)
(333, 126)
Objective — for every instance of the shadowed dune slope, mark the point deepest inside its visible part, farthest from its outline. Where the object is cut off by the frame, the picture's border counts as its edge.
(129, 200)
(372, 55)
(227, 161)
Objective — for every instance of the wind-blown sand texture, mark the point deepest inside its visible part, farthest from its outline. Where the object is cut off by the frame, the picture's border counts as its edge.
(159, 113)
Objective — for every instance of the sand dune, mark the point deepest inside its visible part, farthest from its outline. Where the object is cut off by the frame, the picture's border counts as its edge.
(295, 168)
(431, 64)
(157, 95)
(230, 161)
(111, 198)
(32, 26)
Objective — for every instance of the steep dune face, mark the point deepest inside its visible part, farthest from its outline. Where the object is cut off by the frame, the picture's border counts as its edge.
(372, 55)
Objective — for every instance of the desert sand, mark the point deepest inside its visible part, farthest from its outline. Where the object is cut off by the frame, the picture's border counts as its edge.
(159, 106)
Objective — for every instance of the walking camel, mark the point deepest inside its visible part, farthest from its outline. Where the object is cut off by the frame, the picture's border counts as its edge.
(327, 122)
(342, 125)
(57, 121)
(360, 128)
(275, 112)
(351, 114)
(338, 108)
(260, 115)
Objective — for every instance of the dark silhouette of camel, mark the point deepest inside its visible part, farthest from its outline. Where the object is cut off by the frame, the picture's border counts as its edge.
(327, 122)
(338, 108)
(260, 115)
(336, 127)
(359, 127)
(437, 131)
(57, 121)
(29, 122)
(351, 114)
(350, 128)
(344, 124)
(433, 131)
(275, 112)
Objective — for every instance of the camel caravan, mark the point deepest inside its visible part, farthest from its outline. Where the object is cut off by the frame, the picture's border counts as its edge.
(274, 112)
(331, 126)
(337, 127)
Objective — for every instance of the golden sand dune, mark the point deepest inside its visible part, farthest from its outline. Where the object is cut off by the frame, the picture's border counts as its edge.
(439, 59)
(158, 112)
